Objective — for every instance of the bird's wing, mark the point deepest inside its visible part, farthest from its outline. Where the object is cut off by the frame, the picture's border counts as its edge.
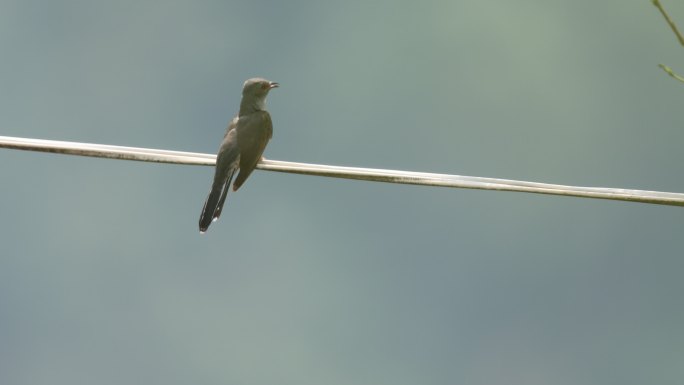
(227, 162)
(229, 146)
(253, 132)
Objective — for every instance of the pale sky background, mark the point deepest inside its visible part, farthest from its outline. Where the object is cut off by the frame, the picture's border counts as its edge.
(104, 278)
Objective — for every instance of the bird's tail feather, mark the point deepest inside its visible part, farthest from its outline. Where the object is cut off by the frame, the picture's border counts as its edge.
(224, 194)
(214, 203)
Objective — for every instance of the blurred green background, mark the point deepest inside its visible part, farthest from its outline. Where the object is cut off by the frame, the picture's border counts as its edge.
(104, 278)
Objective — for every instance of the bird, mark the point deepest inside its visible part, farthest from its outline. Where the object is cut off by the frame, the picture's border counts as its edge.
(241, 149)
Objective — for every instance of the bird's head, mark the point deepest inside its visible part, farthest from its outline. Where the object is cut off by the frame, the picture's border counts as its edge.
(257, 87)
(254, 93)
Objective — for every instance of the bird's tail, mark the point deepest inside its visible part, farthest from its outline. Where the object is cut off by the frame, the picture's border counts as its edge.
(214, 203)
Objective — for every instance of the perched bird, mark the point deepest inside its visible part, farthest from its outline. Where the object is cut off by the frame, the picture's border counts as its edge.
(241, 148)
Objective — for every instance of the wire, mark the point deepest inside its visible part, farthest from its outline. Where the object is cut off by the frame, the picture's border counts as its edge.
(369, 174)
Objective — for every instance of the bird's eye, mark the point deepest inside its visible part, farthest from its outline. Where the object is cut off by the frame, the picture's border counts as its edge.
(264, 86)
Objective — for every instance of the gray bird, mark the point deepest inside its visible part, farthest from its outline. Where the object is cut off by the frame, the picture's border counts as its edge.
(242, 147)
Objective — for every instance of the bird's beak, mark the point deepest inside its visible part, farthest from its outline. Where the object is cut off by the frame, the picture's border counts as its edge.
(273, 85)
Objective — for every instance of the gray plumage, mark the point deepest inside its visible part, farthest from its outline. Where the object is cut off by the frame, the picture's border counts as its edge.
(242, 147)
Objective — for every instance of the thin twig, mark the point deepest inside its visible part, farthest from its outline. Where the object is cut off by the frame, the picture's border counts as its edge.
(669, 21)
(669, 71)
(369, 174)
(679, 36)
